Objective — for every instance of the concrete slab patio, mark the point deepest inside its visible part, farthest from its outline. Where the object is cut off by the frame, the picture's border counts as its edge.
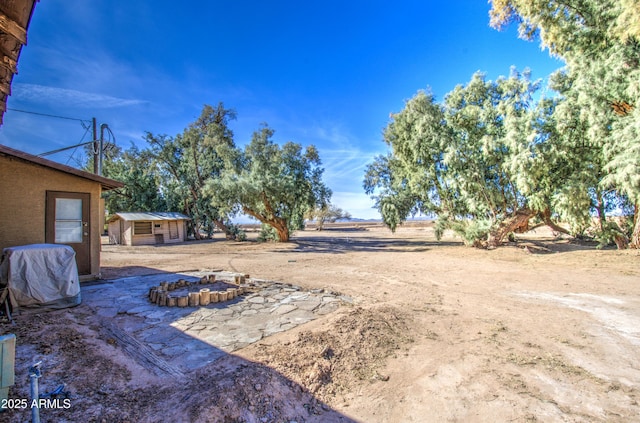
(175, 340)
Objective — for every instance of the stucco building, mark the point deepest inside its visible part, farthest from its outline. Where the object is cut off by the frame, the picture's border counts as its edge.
(42, 201)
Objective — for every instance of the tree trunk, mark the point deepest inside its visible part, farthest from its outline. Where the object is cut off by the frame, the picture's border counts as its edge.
(224, 228)
(621, 240)
(283, 234)
(194, 223)
(513, 224)
(278, 223)
(600, 209)
(635, 235)
(546, 217)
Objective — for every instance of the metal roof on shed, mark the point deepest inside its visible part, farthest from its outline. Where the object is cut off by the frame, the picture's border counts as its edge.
(145, 216)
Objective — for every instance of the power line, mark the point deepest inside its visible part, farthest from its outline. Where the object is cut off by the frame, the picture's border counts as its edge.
(86, 130)
(48, 153)
(86, 124)
(48, 115)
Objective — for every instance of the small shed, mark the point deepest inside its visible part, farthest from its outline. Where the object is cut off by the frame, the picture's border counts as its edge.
(147, 228)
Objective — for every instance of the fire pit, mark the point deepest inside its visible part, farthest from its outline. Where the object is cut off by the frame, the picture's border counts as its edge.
(207, 290)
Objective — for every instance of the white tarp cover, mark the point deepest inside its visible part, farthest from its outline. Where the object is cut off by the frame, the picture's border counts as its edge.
(41, 275)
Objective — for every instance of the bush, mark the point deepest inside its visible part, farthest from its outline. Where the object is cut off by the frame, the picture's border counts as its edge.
(614, 234)
(471, 231)
(267, 233)
(234, 232)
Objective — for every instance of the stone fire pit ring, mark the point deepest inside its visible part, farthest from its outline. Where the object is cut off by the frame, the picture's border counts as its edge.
(207, 290)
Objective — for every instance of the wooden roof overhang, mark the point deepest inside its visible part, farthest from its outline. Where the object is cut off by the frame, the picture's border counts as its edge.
(15, 16)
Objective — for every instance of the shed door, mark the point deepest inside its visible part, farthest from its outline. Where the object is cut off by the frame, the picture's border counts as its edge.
(68, 222)
(174, 233)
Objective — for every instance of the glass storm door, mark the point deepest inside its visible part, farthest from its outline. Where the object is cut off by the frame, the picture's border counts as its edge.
(67, 222)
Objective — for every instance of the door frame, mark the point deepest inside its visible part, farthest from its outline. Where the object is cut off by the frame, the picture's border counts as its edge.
(82, 249)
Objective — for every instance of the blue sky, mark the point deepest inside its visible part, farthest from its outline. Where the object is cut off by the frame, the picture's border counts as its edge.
(324, 73)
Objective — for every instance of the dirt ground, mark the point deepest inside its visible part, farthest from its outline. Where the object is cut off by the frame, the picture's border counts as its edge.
(544, 329)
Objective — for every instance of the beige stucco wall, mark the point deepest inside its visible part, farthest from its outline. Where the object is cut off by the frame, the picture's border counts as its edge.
(23, 188)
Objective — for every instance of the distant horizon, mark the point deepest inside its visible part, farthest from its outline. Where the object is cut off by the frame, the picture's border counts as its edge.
(248, 220)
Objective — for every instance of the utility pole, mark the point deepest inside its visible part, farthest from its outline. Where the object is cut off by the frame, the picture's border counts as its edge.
(101, 144)
(96, 147)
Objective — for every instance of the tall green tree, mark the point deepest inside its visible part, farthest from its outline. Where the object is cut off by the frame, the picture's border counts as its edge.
(582, 164)
(413, 177)
(479, 161)
(135, 168)
(277, 185)
(600, 42)
(189, 160)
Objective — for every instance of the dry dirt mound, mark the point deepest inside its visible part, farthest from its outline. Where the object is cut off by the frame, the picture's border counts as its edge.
(354, 350)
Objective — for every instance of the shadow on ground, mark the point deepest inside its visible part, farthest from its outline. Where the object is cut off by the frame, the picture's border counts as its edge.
(107, 273)
(121, 359)
(344, 244)
(555, 245)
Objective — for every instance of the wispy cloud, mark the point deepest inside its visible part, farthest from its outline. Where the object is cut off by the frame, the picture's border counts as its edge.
(343, 154)
(345, 164)
(332, 133)
(64, 97)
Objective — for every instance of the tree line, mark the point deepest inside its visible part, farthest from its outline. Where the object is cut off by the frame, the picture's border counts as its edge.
(203, 174)
(491, 159)
(494, 157)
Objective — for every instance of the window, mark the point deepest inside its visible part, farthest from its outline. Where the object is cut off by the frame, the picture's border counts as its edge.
(142, 228)
(68, 226)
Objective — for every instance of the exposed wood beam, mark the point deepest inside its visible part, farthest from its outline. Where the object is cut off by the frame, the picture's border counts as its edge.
(5, 89)
(10, 64)
(12, 28)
